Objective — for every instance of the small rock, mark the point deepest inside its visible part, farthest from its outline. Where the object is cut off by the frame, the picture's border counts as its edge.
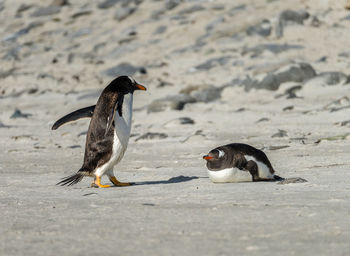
(315, 22)
(124, 69)
(192, 9)
(6, 73)
(74, 146)
(262, 29)
(46, 11)
(107, 4)
(80, 13)
(18, 114)
(152, 136)
(207, 94)
(291, 180)
(81, 32)
(343, 123)
(174, 102)
(22, 8)
(291, 73)
(291, 92)
(346, 17)
(212, 63)
(339, 104)
(274, 48)
(171, 4)
(160, 30)
(123, 12)
(59, 2)
(280, 134)
(287, 17)
(162, 83)
(288, 108)
(330, 78)
(23, 31)
(2, 6)
(179, 121)
(2, 125)
(264, 119)
(277, 147)
(237, 9)
(213, 24)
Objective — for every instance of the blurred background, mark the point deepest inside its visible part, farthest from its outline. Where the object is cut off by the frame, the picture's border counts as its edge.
(66, 46)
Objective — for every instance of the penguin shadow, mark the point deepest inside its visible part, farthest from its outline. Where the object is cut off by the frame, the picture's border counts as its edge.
(172, 180)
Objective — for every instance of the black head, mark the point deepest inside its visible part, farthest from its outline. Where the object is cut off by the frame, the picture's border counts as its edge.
(125, 84)
(217, 159)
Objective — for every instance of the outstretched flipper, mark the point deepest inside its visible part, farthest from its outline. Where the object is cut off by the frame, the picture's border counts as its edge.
(78, 114)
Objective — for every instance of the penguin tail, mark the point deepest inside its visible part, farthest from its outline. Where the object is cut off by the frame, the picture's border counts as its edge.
(278, 178)
(73, 179)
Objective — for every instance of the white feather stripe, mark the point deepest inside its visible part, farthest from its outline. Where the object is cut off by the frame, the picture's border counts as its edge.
(263, 170)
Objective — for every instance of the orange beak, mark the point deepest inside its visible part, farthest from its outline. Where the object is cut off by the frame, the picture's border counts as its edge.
(207, 157)
(141, 87)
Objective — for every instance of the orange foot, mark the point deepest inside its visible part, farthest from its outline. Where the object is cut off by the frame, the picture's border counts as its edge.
(118, 183)
(97, 183)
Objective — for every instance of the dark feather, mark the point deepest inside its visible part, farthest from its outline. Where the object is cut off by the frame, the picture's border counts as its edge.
(78, 114)
(74, 179)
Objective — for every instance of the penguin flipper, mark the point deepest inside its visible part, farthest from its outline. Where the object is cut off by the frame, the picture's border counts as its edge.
(117, 107)
(75, 115)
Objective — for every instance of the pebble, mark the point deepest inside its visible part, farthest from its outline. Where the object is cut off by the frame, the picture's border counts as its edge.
(212, 63)
(299, 72)
(59, 3)
(160, 30)
(171, 4)
(123, 12)
(192, 9)
(207, 94)
(274, 48)
(18, 114)
(152, 136)
(46, 11)
(179, 121)
(262, 29)
(280, 134)
(289, 16)
(107, 4)
(174, 102)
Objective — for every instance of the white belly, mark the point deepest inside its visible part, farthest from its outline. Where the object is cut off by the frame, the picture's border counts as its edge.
(230, 175)
(121, 136)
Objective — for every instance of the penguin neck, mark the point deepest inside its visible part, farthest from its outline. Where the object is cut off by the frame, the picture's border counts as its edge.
(123, 123)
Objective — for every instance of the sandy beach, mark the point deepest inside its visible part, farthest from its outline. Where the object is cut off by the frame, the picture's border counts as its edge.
(273, 74)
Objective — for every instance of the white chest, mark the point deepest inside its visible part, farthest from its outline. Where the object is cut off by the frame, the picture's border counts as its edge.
(122, 129)
(229, 175)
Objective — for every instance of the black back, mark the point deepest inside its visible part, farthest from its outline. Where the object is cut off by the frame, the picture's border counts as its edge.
(234, 157)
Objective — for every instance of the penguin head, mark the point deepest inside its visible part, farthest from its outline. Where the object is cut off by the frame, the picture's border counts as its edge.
(216, 158)
(125, 85)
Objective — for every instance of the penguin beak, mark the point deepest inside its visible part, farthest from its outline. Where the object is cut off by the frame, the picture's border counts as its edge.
(207, 157)
(141, 87)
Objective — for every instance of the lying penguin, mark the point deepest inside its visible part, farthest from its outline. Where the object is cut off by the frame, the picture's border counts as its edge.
(239, 163)
(108, 133)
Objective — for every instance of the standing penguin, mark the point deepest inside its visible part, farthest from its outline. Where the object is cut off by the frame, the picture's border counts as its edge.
(239, 163)
(108, 133)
